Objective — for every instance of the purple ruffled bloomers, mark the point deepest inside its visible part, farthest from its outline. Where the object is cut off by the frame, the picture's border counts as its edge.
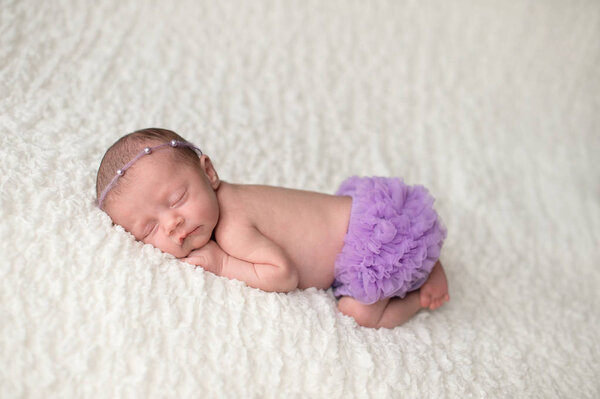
(394, 239)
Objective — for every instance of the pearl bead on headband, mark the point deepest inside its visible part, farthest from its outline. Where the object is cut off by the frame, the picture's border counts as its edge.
(145, 151)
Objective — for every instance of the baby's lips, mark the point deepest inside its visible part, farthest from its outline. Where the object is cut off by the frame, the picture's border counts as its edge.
(184, 236)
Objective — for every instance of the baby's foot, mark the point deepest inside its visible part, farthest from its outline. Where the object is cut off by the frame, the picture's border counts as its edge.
(434, 292)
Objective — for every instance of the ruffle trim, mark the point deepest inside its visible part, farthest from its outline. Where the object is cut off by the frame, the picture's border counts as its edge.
(394, 239)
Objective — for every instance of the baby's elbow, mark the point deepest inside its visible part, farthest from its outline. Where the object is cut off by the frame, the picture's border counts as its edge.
(287, 279)
(292, 279)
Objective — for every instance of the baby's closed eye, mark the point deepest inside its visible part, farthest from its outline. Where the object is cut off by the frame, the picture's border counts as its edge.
(178, 198)
(150, 228)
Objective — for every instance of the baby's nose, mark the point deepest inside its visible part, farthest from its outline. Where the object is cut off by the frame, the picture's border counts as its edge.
(173, 224)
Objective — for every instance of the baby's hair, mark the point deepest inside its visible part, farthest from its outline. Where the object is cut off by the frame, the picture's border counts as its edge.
(128, 146)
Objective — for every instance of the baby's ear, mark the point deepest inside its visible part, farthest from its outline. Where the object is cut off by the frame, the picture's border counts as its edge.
(208, 168)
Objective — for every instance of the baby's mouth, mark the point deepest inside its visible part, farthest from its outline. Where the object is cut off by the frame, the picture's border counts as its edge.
(183, 237)
(193, 231)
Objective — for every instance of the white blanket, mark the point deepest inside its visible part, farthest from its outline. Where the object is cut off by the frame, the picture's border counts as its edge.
(493, 105)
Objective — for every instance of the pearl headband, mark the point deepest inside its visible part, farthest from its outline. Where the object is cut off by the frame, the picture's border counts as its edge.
(145, 151)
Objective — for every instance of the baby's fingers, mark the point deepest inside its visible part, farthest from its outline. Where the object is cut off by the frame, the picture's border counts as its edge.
(196, 260)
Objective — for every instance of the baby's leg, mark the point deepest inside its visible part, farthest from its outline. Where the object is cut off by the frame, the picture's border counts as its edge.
(392, 312)
(387, 313)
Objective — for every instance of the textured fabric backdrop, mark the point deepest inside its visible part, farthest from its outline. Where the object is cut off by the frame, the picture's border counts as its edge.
(493, 105)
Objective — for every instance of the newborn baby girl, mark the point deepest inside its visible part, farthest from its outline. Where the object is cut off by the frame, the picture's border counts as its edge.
(376, 242)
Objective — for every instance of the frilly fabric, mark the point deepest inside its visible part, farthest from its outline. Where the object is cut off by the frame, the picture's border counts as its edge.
(393, 240)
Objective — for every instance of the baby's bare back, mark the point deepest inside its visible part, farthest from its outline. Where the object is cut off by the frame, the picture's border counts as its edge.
(308, 226)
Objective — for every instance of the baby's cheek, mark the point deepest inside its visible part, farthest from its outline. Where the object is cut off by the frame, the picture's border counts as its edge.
(164, 247)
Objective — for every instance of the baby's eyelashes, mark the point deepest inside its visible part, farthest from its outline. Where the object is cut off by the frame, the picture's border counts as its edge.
(179, 199)
(149, 230)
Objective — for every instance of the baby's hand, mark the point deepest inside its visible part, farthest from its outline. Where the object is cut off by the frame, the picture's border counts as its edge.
(210, 257)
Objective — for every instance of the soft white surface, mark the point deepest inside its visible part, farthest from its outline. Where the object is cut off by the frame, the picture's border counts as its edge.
(492, 105)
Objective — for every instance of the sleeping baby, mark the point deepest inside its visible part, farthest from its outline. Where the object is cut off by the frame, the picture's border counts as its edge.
(376, 242)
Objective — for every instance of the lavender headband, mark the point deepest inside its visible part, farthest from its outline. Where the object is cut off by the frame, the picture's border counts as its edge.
(145, 151)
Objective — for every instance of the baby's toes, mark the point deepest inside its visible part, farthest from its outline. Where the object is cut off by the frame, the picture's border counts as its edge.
(425, 299)
(434, 304)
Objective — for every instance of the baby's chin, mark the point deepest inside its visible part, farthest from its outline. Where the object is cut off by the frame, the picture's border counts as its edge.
(179, 254)
(182, 255)
(193, 245)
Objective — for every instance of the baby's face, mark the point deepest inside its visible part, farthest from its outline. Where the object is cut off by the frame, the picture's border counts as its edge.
(168, 203)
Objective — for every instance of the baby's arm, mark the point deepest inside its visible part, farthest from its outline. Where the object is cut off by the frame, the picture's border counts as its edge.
(210, 257)
(252, 258)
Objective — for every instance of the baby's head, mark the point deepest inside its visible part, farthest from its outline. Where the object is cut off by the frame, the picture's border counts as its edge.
(161, 189)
